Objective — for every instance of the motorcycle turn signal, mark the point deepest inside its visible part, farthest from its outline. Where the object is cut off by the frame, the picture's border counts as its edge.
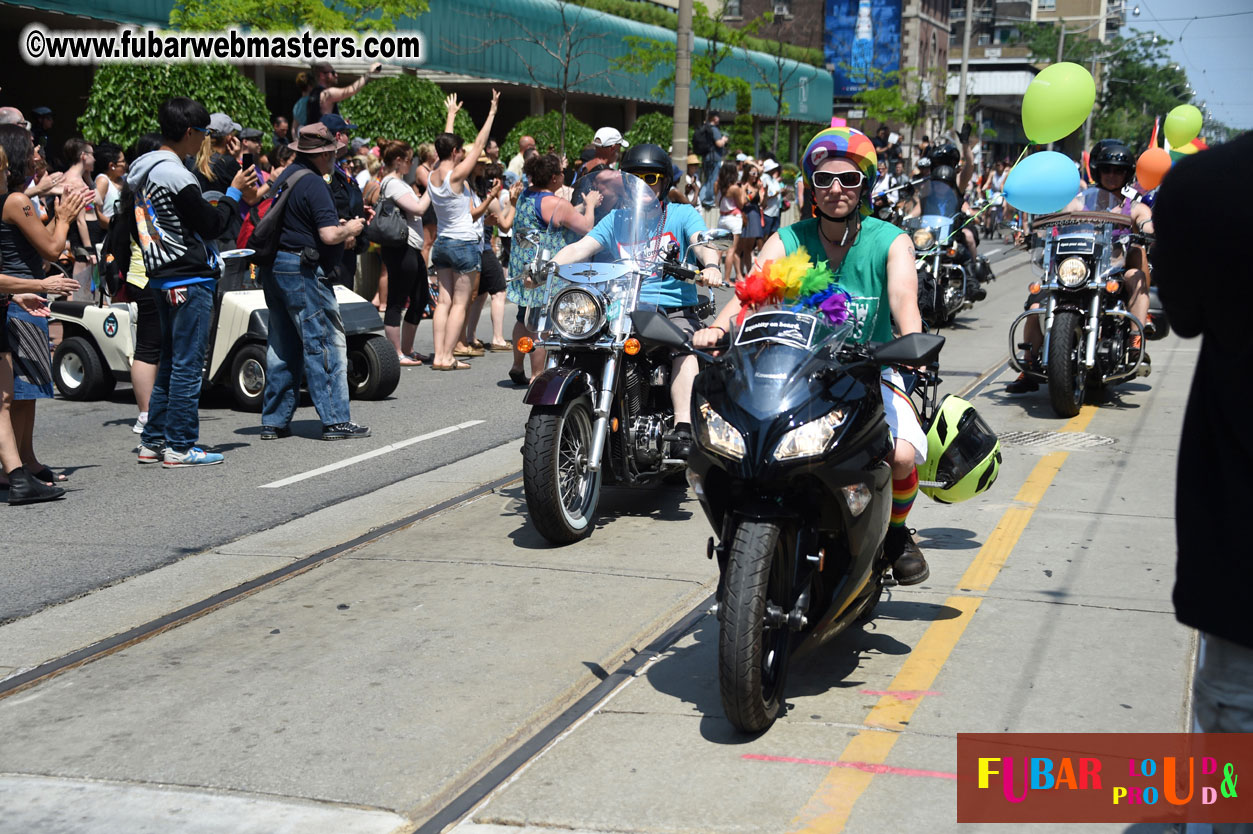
(526, 344)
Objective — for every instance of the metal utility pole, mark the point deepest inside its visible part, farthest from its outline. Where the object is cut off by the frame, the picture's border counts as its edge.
(682, 85)
(959, 118)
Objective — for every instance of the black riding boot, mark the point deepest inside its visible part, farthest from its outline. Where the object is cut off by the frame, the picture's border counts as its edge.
(908, 565)
(25, 488)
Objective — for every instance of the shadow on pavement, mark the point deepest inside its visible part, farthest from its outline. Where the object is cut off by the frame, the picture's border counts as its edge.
(948, 538)
(653, 503)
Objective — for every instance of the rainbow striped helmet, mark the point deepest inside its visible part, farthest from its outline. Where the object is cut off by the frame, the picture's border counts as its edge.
(842, 143)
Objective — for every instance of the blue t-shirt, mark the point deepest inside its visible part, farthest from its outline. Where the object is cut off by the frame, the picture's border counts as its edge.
(682, 221)
(309, 208)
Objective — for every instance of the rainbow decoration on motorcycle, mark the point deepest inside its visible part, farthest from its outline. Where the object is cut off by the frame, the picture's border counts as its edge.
(794, 282)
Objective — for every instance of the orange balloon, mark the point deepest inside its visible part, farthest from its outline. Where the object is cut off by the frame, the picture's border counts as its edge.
(1151, 167)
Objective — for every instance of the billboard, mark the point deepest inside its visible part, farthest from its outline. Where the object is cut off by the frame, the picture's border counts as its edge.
(861, 39)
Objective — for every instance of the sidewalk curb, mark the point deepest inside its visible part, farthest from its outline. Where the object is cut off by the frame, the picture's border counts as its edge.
(60, 630)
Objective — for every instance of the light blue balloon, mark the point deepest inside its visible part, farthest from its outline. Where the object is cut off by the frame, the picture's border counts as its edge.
(1042, 183)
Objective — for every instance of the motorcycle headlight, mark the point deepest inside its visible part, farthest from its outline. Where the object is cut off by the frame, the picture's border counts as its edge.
(924, 238)
(716, 434)
(809, 439)
(577, 314)
(1072, 272)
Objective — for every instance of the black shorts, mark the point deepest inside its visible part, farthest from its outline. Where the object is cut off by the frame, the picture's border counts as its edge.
(491, 274)
(147, 325)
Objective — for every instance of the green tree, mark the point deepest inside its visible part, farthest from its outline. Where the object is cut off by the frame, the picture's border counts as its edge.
(1042, 39)
(124, 98)
(721, 41)
(777, 80)
(885, 99)
(651, 128)
(1139, 85)
(291, 15)
(407, 108)
(548, 131)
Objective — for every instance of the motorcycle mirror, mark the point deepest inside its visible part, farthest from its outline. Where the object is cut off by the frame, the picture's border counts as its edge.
(531, 238)
(914, 349)
(654, 327)
(719, 240)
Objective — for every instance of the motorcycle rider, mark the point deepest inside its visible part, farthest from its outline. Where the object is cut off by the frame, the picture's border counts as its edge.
(1113, 167)
(951, 172)
(873, 262)
(676, 298)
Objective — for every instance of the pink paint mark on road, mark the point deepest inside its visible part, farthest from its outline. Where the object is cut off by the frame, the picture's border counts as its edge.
(866, 766)
(901, 694)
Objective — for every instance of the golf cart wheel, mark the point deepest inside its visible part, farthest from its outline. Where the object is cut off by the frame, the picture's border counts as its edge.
(247, 379)
(373, 368)
(78, 371)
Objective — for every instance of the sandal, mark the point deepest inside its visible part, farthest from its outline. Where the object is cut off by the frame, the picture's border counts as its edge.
(507, 347)
(468, 352)
(48, 476)
(456, 366)
(408, 360)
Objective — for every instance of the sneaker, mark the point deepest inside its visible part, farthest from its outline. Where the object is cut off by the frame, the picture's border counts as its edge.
(1022, 385)
(344, 431)
(908, 565)
(1150, 329)
(138, 428)
(195, 456)
(275, 432)
(149, 454)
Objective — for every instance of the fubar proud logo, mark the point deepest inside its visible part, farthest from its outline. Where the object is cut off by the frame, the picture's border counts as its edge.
(1103, 777)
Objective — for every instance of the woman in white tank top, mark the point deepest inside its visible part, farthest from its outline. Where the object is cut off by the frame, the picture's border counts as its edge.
(456, 253)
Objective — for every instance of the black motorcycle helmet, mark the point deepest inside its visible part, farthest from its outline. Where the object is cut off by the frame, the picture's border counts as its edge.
(945, 155)
(652, 159)
(1112, 154)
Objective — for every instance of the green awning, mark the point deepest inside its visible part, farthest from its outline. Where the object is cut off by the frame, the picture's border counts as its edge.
(468, 37)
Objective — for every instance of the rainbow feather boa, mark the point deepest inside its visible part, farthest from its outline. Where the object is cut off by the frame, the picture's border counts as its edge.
(796, 283)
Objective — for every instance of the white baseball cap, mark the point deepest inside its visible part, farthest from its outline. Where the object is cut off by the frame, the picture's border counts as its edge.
(770, 165)
(607, 137)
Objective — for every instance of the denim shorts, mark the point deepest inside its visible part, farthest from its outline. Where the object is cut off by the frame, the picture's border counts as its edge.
(461, 256)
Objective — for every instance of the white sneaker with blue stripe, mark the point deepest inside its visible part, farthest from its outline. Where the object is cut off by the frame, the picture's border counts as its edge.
(195, 456)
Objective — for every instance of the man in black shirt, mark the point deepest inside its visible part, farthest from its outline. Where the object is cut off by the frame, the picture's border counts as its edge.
(347, 196)
(306, 334)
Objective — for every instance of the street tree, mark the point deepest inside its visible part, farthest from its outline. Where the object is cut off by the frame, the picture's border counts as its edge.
(560, 57)
(778, 79)
(887, 101)
(647, 55)
(292, 15)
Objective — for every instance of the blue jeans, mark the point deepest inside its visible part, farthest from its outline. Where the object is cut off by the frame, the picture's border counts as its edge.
(709, 168)
(306, 340)
(174, 408)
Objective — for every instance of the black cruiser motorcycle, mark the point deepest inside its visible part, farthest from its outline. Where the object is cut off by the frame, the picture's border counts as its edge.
(601, 410)
(791, 464)
(1087, 327)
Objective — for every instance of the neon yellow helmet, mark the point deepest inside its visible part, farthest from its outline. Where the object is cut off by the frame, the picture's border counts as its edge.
(963, 454)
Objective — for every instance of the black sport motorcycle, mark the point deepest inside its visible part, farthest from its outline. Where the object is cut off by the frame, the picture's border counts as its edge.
(791, 464)
(1087, 327)
(601, 410)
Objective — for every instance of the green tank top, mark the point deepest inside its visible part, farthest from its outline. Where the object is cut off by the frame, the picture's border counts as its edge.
(863, 273)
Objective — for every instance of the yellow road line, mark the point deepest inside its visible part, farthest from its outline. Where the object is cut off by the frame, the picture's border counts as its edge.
(829, 809)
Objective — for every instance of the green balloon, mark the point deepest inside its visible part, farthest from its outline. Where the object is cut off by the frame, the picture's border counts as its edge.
(1183, 124)
(1057, 102)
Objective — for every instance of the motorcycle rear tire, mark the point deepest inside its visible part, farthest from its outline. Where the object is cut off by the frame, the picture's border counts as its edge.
(752, 658)
(561, 494)
(1067, 376)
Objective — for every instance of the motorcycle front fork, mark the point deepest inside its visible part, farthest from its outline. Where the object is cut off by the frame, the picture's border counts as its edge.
(1088, 360)
(602, 403)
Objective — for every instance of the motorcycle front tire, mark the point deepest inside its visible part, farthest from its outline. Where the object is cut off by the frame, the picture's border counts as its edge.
(753, 658)
(561, 493)
(1067, 376)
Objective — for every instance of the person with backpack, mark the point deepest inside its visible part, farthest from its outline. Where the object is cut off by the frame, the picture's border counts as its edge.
(182, 269)
(303, 241)
(709, 144)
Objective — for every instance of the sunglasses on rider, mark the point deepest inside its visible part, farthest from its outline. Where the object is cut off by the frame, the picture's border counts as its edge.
(846, 179)
(649, 177)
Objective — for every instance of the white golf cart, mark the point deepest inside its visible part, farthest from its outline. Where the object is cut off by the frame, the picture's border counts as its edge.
(98, 346)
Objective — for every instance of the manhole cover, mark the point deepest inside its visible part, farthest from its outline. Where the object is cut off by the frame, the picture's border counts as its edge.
(1066, 440)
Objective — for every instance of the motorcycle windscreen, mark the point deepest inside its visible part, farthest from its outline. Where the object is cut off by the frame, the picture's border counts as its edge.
(936, 197)
(774, 355)
(629, 217)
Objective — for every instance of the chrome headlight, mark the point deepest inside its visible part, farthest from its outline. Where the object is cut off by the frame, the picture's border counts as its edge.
(577, 314)
(924, 238)
(1072, 272)
(716, 434)
(809, 439)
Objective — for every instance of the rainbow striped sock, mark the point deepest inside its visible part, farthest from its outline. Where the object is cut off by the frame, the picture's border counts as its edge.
(904, 491)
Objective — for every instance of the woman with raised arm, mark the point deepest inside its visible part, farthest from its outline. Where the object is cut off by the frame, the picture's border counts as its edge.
(406, 268)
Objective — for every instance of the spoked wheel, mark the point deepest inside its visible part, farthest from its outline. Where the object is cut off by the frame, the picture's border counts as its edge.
(754, 639)
(561, 492)
(1067, 375)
